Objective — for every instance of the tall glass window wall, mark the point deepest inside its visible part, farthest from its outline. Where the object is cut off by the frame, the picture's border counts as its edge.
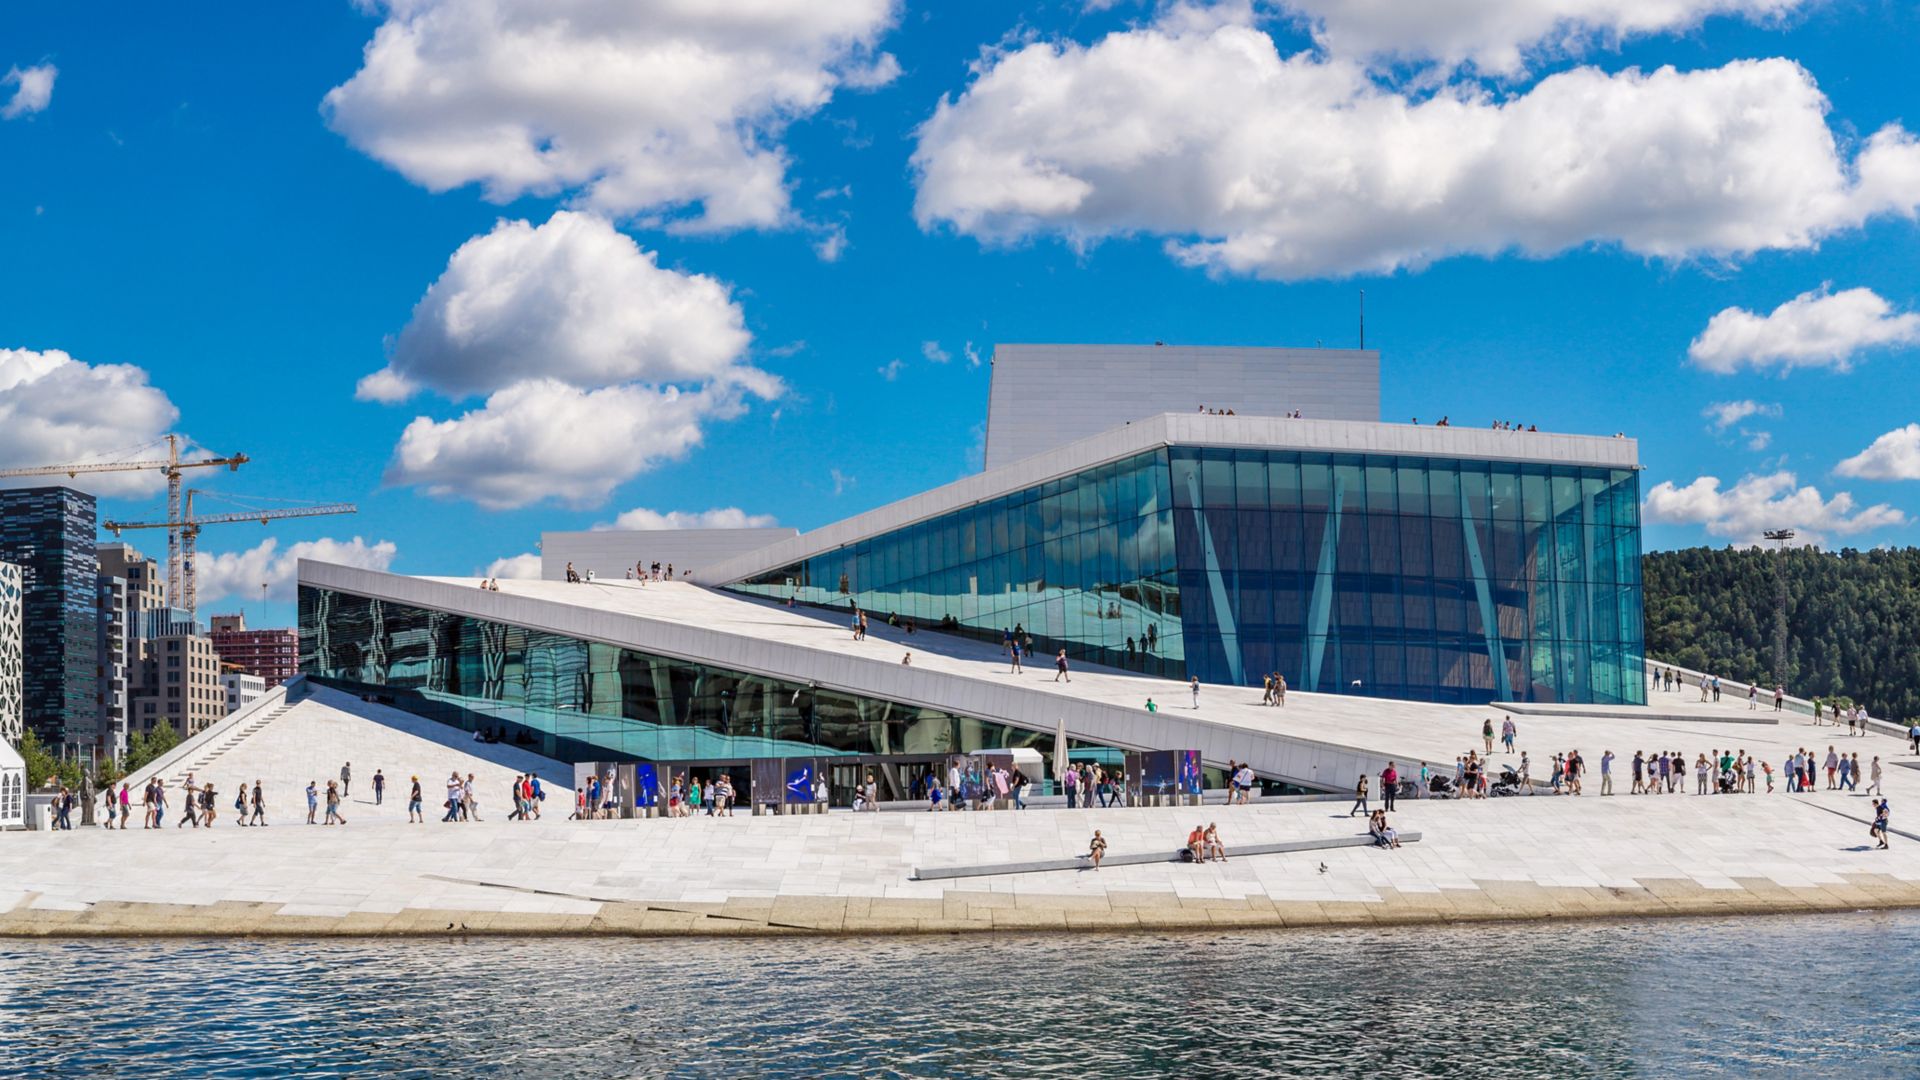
(1086, 563)
(1415, 578)
(1429, 579)
(587, 701)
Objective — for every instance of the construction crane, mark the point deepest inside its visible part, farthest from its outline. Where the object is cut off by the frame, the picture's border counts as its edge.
(188, 526)
(172, 467)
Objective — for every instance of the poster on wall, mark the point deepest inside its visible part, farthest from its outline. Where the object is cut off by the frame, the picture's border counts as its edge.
(799, 780)
(767, 781)
(1190, 775)
(646, 784)
(623, 789)
(1159, 773)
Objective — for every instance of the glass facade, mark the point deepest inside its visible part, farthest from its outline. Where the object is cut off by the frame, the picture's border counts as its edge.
(578, 700)
(1431, 579)
(49, 534)
(1086, 563)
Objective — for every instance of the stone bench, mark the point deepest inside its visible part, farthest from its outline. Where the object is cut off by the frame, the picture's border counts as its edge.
(939, 873)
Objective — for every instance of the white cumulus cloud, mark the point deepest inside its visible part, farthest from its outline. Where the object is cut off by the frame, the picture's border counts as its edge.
(597, 365)
(55, 410)
(1893, 456)
(525, 565)
(574, 300)
(1250, 162)
(727, 517)
(1725, 414)
(1815, 329)
(543, 439)
(638, 108)
(1748, 509)
(32, 90)
(1496, 36)
(241, 573)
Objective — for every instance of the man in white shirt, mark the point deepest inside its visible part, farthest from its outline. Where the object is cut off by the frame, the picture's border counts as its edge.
(455, 795)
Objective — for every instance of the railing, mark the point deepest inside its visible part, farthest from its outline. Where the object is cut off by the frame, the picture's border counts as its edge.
(212, 734)
(1738, 689)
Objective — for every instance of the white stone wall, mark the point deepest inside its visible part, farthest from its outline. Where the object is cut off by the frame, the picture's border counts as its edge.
(610, 553)
(1044, 396)
(12, 655)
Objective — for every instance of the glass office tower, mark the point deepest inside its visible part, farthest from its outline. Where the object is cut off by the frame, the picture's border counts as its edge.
(49, 533)
(1422, 578)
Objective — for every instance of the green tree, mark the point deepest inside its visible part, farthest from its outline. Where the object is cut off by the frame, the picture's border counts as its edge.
(41, 764)
(144, 748)
(1853, 619)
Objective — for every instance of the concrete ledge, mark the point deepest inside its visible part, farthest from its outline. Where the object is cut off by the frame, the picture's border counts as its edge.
(1767, 718)
(941, 873)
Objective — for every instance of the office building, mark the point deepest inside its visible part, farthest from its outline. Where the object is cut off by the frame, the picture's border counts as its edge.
(242, 688)
(12, 654)
(49, 534)
(273, 654)
(114, 650)
(177, 682)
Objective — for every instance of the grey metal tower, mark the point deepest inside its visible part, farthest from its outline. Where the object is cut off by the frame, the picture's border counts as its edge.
(1780, 538)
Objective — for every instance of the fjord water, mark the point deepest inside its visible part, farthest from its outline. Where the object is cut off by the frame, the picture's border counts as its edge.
(1727, 997)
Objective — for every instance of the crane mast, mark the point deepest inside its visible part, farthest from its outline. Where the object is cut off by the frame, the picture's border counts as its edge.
(187, 527)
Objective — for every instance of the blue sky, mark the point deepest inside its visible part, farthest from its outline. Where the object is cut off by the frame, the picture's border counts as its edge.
(179, 200)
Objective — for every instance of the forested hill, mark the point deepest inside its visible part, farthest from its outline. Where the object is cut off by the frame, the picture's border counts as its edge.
(1853, 620)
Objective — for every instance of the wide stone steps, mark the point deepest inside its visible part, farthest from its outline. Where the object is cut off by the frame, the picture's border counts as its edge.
(218, 750)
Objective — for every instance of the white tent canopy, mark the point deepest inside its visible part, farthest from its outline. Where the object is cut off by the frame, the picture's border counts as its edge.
(13, 787)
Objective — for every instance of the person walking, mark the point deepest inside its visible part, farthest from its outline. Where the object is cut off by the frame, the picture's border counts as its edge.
(470, 799)
(1389, 786)
(1913, 736)
(1833, 768)
(1881, 814)
(1873, 776)
(1194, 685)
(1060, 667)
(1508, 732)
(379, 787)
(1606, 773)
(333, 806)
(1359, 797)
(259, 804)
(190, 792)
(455, 796)
(414, 803)
(346, 779)
(126, 805)
(1013, 650)
(1486, 733)
(313, 800)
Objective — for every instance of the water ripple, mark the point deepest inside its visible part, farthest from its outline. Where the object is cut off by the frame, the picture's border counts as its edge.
(1682, 997)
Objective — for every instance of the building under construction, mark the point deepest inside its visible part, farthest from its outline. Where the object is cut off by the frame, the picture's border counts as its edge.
(111, 644)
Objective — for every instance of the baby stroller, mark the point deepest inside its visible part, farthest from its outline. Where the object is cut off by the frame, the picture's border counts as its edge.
(1508, 784)
(1727, 784)
(1442, 787)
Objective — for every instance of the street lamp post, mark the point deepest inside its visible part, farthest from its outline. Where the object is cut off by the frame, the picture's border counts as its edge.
(1780, 538)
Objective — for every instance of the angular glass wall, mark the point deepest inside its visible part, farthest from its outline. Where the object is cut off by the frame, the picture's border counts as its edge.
(1414, 578)
(1085, 563)
(579, 700)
